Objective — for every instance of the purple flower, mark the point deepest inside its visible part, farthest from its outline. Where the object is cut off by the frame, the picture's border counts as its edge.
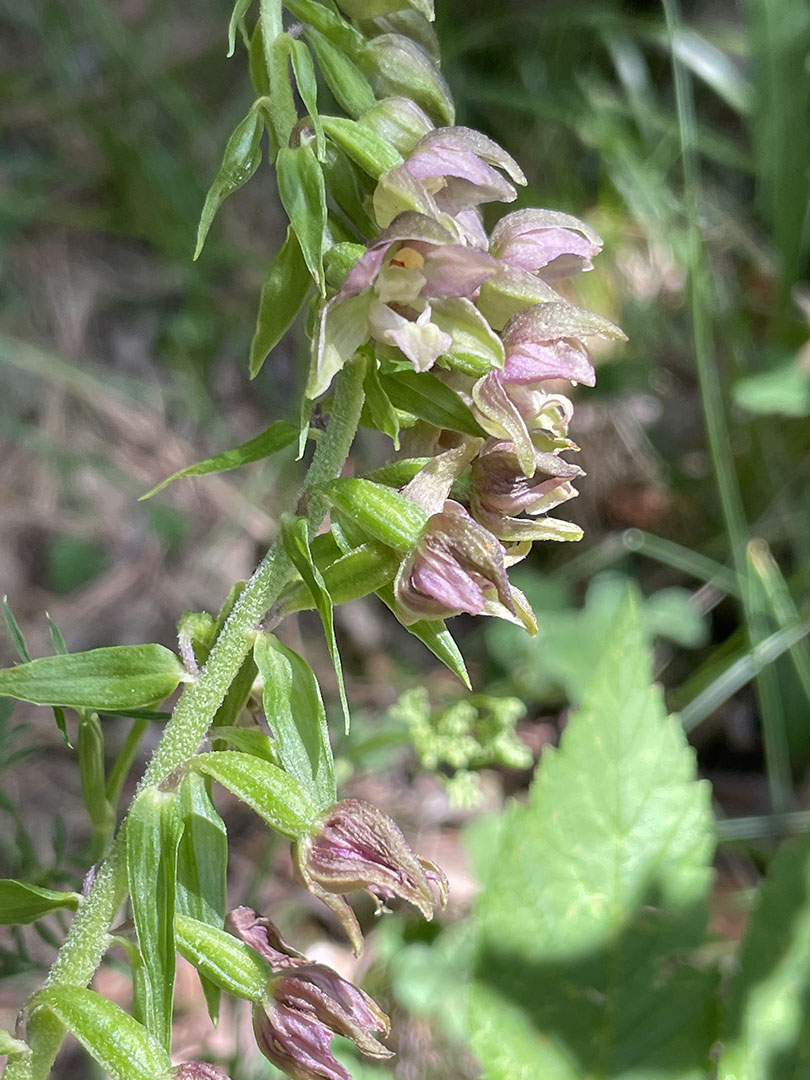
(306, 1005)
(198, 1070)
(393, 295)
(358, 847)
(545, 240)
(457, 566)
(500, 489)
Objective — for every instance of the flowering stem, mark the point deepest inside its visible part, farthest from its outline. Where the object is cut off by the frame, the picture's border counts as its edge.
(86, 941)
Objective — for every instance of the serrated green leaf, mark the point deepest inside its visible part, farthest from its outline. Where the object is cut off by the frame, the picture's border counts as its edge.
(272, 793)
(374, 154)
(229, 964)
(117, 677)
(202, 864)
(122, 1046)
(303, 195)
(427, 397)
(24, 903)
(153, 834)
(284, 291)
(240, 161)
(295, 539)
(767, 1026)
(599, 889)
(296, 716)
(273, 439)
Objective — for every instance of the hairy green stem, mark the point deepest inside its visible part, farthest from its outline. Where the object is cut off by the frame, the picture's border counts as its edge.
(86, 941)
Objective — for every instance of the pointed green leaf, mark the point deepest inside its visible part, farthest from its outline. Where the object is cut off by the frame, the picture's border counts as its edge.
(381, 414)
(60, 648)
(283, 294)
(295, 538)
(93, 774)
(240, 9)
(248, 740)
(435, 636)
(599, 890)
(122, 1046)
(303, 195)
(202, 864)
(426, 396)
(307, 83)
(220, 958)
(240, 161)
(374, 154)
(273, 439)
(118, 677)
(269, 791)
(24, 903)
(767, 1027)
(153, 833)
(14, 631)
(296, 716)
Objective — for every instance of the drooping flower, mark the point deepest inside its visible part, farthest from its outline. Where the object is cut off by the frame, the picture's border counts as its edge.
(357, 847)
(306, 1005)
(547, 242)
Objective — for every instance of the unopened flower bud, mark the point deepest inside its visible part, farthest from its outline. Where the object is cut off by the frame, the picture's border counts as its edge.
(500, 486)
(358, 847)
(399, 120)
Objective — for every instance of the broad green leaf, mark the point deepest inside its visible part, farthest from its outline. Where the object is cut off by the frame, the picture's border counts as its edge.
(767, 1025)
(381, 512)
(118, 677)
(24, 903)
(303, 195)
(295, 538)
(153, 833)
(240, 161)
(219, 957)
(284, 291)
(273, 439)
(435, 636)
(296, 716)
(374, 154)
(349, 86)
(271, 792)
(122, 1046)
(599, 890)
(427, 397)
(202, 864)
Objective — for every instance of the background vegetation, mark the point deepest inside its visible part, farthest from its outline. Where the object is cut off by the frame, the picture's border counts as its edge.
(683, 137)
